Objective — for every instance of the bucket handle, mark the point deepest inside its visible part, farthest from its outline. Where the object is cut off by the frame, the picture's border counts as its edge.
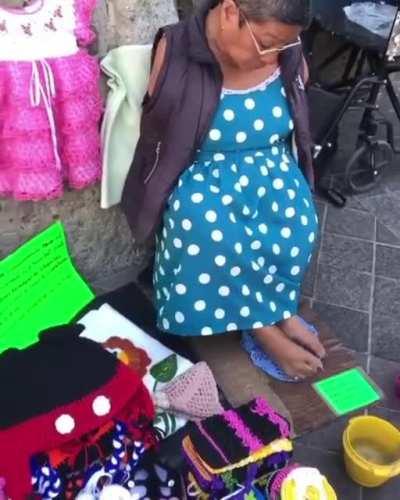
(394, 467)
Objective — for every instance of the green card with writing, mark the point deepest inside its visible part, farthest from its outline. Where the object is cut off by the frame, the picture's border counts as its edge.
(348, 391)
(39, 288)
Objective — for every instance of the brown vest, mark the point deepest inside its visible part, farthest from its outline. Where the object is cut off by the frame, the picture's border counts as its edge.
(178, 115)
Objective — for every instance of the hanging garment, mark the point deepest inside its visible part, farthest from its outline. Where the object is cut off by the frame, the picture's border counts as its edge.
(128, 70)
(50, 103)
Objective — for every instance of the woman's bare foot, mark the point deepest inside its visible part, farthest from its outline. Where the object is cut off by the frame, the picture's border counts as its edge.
(296, 330)
(291, 357)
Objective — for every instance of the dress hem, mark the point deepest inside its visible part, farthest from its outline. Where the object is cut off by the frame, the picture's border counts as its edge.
(242, 327)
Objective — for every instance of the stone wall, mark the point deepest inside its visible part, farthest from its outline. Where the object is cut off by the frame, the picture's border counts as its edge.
(99, 240)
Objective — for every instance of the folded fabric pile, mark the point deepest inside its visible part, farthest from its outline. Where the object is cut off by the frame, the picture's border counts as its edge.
(60, 399)
(227, 453)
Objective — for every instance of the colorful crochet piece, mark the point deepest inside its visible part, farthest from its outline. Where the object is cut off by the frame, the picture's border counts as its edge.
(274, 484)
(56, 392)
(138, 477)
(231, 437)
(227, 452)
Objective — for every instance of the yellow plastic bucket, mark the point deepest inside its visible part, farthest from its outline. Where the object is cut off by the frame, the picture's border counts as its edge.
(371, 450)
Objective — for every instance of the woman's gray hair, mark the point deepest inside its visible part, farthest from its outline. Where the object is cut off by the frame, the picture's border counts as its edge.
(296, 12)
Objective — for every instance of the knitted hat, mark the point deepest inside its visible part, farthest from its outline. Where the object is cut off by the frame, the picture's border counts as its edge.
(193, 394)
(56, 391)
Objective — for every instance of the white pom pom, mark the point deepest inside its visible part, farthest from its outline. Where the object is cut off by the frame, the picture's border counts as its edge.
(101, 406)
(65, 424)
(114, 492)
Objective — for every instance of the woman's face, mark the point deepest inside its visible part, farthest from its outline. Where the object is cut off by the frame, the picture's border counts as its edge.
(249, 45)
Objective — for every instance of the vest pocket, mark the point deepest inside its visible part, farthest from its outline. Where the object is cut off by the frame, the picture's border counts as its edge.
(155, 164)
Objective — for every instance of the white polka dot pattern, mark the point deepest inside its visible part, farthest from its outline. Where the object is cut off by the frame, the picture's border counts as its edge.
(64, 424)
(101, 406)
(240, 225)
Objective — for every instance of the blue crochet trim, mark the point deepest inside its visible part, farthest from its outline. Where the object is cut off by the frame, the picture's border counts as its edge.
(260, 358)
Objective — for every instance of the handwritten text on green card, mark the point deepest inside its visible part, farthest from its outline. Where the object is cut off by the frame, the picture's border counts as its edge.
(39, 288)
(348, 391)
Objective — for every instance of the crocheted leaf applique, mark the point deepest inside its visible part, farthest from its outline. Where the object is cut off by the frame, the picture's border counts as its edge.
(165, 370)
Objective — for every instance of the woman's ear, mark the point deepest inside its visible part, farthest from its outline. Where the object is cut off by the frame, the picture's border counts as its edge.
(229, 16)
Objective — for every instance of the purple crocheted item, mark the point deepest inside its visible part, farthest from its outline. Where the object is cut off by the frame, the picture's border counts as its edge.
(276, 485)
(248, 439)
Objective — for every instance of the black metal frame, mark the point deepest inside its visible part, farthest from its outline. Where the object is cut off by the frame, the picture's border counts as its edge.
(361, 89)
(373, 83)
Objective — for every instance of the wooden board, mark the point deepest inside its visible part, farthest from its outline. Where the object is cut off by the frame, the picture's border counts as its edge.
(241, 381)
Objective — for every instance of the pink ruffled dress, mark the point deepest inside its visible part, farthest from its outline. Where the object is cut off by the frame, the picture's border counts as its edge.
(50, 103)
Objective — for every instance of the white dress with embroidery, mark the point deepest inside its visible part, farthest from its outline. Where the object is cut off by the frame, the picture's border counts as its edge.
(50, 103)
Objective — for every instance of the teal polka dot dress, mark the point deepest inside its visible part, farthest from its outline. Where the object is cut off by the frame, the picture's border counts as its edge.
(239, 228)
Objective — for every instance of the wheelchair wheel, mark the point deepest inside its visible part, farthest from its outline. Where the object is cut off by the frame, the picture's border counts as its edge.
(365, 168)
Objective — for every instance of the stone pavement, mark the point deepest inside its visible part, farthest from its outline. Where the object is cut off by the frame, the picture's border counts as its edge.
(354, 285)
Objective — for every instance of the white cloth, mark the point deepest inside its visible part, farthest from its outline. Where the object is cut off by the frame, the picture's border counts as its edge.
(128, 70)
(105, 323)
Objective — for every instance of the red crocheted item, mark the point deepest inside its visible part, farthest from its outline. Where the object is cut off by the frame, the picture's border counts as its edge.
(130, 402)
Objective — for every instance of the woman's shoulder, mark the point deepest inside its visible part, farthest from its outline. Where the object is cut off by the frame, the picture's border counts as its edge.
(169, 44)
(159, 56)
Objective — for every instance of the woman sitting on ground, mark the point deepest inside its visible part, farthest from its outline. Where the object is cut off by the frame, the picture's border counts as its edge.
(216, 176)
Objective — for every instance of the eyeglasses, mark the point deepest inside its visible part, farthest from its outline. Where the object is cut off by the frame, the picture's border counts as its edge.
(261, 51)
